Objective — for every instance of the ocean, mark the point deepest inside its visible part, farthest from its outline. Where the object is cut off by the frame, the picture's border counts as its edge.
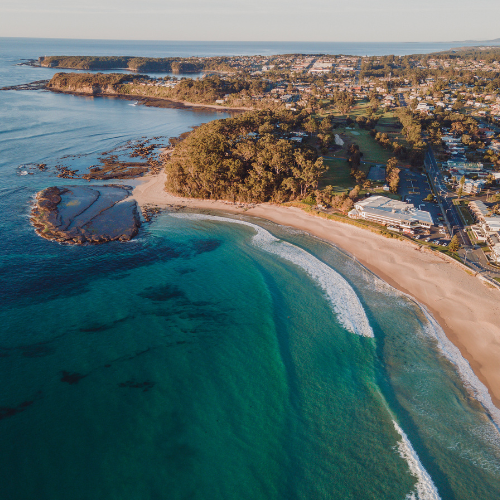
(214, 356)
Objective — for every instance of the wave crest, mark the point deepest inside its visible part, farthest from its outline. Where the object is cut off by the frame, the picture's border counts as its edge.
(343, 299)
(425, 488)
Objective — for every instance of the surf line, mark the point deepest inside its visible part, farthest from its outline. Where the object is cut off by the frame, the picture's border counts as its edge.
(350, 313)
(425, 487)
(341, 296)
(432, 329)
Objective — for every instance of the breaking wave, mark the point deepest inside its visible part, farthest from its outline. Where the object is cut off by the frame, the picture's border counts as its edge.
(343, 299)
(469, 378)
(425, 488)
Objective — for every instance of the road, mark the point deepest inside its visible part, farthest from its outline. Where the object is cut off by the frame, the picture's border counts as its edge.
(476, 259)
(453, 220)
(356, 72)
(402, 101)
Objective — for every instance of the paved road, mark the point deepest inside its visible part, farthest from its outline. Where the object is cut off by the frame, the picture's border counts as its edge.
(356, 72)
(476, 259)
(449, 210)
(402, 101)
(471, 255)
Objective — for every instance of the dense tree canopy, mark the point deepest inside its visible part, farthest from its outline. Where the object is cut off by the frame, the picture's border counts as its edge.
(246, 158)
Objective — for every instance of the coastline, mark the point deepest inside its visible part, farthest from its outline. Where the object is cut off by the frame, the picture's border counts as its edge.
(155, 102)
(467, 309)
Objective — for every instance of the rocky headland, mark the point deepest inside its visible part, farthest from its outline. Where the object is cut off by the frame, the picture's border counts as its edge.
(85, 215)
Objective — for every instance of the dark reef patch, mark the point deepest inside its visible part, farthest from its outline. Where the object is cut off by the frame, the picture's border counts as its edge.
(5, 411)
(162, 293)
(202, 246)
(186, 271)
(145, 386)
(10, 411)
(37, 351)
(71, 377)
(101, 327)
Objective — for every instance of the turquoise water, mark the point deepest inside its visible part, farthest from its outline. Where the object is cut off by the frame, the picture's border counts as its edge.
(213, 357)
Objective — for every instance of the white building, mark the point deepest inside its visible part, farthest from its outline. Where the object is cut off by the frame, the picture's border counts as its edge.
(465, 166)
(387, 211)
(472, 187)
(479, 209)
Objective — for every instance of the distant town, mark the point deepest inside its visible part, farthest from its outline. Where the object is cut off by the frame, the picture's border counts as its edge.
(410, 143)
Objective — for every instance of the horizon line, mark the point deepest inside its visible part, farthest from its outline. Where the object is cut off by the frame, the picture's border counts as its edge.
(496, 40)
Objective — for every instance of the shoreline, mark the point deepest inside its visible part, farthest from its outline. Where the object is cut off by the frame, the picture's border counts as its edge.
(155, 102)
(466, 309)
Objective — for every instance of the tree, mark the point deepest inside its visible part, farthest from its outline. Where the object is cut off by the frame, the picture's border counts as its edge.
(354, 156)
(392, 174)
(311, 125)
(347, 205)
(461, 186)
(354, 193)
(266, 128)
(454, 244)
(326, 125)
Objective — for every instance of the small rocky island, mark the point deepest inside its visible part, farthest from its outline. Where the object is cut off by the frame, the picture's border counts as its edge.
(81, 215)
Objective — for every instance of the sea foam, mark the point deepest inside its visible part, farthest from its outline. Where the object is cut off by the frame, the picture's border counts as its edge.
(343, 299)
(425, 488)
(432, 329)
(453, 354)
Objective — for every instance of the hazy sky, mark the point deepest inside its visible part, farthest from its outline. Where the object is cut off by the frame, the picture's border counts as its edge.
(265, 20)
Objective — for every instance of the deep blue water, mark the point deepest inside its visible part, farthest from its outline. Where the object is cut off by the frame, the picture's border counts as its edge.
(213, 357)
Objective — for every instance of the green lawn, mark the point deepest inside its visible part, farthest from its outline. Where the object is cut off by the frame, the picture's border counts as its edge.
(372, 151)
(338, 175)
(466, 215)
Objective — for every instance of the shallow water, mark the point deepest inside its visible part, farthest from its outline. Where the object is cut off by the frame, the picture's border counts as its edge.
(208, 358)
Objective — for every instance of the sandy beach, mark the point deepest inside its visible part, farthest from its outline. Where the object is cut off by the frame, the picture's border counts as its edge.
(467, 309)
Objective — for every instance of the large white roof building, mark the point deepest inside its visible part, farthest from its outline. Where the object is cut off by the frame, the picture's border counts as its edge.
(388, 211)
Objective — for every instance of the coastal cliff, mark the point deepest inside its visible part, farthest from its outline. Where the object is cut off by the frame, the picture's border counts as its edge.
(151, 91)
(85, 83)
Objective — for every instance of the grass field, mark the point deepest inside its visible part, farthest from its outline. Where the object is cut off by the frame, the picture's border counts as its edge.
(372, 151)
(338, 175)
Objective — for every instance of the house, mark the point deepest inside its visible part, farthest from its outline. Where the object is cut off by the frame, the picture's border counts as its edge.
(491, 227)
(472, 187)
(479, 210)
(465, 166)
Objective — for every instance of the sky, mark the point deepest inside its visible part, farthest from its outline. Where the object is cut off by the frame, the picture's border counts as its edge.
(253, 20)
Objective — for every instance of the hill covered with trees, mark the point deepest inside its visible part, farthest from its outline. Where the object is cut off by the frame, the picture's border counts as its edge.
(204, 91)
(247, 158)
(167, 64)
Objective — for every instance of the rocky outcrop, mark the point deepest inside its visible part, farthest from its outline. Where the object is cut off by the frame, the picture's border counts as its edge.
(85, 215)
(94, 89)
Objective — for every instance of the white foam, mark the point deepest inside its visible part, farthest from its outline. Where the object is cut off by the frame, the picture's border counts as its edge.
(425, 488)
(453, 354)
(343, 299)
(433, 330)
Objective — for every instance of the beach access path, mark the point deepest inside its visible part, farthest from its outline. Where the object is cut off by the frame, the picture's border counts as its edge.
(467, 309)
